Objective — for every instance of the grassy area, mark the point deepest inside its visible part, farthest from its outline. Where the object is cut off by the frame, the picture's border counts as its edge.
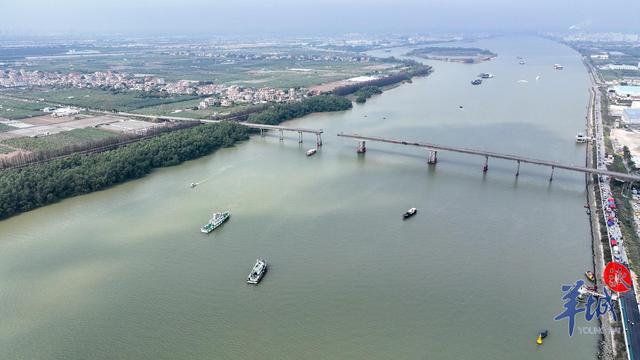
(281, 73)
(5, 149)
(186, 109)
(4, 127)
(100, 99)
(16, 109)
(60, 140)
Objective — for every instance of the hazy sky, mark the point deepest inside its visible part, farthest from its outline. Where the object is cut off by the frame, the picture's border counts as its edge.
(313, 16)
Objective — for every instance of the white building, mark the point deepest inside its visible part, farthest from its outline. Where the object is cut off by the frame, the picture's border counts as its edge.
(65, 111)
(631, 116)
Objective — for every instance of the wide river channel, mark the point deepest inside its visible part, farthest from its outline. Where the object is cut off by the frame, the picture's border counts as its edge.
(126, 274)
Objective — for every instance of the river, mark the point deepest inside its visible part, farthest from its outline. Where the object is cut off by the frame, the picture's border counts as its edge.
(125, 273)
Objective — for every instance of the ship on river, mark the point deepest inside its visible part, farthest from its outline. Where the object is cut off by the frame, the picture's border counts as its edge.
(215, 222)
(257, 272)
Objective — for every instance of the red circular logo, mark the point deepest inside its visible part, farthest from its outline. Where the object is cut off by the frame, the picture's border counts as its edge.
(617, 277)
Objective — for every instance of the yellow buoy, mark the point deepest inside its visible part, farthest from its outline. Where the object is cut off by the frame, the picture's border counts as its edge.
(539, 340)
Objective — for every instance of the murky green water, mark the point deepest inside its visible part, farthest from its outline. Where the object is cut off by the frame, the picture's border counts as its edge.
(126, 274)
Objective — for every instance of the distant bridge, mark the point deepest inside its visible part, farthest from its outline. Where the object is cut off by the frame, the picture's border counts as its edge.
(434, 148)
(317, 132)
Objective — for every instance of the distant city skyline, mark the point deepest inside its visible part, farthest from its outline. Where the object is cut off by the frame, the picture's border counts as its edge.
(312, 18)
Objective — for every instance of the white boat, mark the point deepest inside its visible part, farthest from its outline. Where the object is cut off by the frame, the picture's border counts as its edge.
(581, 138)
(558, 67)
(311, 152)
(257, 272)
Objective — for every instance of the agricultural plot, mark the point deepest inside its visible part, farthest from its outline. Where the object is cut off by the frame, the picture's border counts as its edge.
(100, 99)
(16, 109)
(60, 140)
(4, 127)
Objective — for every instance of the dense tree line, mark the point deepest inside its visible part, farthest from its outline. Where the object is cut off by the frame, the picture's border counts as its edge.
(44, 183)
(414, 69)
(366, 92)
(283, 112)
(42, 155)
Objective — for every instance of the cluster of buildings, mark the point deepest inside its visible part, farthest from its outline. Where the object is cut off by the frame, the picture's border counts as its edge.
(99, 79)
(619, 67)
(239, 56)
(625, 102)
(219, 94)
(226, 96)
(603, 37)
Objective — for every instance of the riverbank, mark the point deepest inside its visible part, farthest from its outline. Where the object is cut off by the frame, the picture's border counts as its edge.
(612, 342)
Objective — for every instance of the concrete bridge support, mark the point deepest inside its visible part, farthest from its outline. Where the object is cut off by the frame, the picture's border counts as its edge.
(318, 139)
(299, 137)
(518, 169)
(551, 177)
(485, 168)
(281, 135)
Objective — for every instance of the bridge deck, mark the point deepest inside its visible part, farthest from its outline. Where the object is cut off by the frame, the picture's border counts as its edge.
(496, 155)
(250, 125)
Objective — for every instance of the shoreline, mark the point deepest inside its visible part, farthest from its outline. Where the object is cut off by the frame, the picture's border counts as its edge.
(608, 347)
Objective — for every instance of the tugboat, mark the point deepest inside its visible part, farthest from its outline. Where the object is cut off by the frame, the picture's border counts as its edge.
(476, 82)
(409, 213)
(589, 274)
(215, 222)
(257, 272)
(543, 334)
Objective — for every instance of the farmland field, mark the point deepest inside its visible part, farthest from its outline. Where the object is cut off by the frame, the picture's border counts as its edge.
(280, 73)
(16, 109)
(185, 109)
(99, 99)
(60, 140)
(5, 149)
(4, 127)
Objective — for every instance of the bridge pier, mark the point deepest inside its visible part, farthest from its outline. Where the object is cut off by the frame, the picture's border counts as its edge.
(299, 137)
(318, 139)
(362, 148)
(281, 135)
(551, 177)
(518, 169)
(485, 168)
(261, 132)
(433, 157)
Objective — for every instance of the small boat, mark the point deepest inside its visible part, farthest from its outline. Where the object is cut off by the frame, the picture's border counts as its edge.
(257, 272)
(215, 222)
(581, 138)
(521, 62)
(311, 152)
(485, 75)
(409, 213)
(558, 67)
(461, 107)
(476, 82)
(543, 334)
(589, 274)
(193, 185)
